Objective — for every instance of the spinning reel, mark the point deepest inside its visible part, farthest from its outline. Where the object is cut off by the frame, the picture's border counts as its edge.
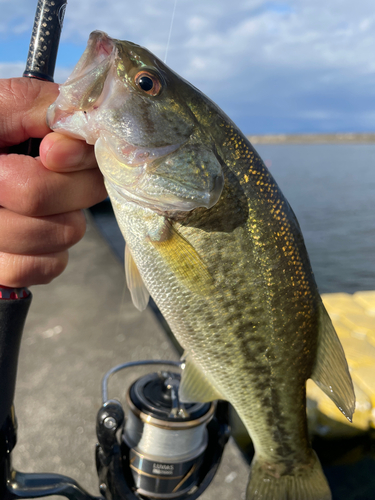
(164, 449)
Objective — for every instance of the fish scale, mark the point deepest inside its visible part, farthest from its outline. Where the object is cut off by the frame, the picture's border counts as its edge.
(211, 237)
(240, 355)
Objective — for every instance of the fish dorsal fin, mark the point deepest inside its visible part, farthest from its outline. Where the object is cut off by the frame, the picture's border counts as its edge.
(138, 291)
(331, 371)
(183, 260)
(195, 387)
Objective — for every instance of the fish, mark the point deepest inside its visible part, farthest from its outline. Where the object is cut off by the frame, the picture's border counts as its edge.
(210, 236)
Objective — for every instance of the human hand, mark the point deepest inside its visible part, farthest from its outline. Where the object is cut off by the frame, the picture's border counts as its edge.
(41, 198)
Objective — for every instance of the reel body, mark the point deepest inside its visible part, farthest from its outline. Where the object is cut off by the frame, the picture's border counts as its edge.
(164, 449)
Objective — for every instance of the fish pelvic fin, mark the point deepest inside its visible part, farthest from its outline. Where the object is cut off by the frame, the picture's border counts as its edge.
(184, 261)
(331, 372)
(274, 482)
(195, 387)
(137, 288)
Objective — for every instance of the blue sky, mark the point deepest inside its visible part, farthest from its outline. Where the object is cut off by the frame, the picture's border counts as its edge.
(292, 66)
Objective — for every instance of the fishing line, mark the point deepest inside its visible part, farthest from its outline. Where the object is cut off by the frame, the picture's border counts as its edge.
(170, 31)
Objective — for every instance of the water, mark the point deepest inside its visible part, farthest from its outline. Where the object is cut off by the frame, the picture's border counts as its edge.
(331, 188)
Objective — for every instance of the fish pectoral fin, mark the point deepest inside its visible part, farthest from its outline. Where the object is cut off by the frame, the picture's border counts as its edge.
(331, 372)
(138, 291)
(184, 261)
(195, 387)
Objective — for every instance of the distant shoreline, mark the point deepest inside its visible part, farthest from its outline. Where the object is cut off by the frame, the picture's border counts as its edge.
(341, 138)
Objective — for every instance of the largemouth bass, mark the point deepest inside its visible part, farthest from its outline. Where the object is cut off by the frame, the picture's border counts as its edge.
(211, 237)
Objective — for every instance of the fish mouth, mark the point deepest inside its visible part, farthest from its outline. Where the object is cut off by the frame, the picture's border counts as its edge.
(97, 102)
(99, 51)
(102, 44)
(85, 89)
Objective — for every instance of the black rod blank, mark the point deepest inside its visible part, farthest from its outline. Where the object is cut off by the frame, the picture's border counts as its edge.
(45, 39)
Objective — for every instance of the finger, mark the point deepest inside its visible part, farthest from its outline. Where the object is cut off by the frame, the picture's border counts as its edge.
(27, 188)
(40, 235)
(23, 104)
(26, 270)
(65, 154)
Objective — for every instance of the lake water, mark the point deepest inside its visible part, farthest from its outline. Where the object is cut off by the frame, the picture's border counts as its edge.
(331, 188)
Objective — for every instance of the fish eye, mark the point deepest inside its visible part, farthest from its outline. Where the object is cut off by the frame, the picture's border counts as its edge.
(148, 82)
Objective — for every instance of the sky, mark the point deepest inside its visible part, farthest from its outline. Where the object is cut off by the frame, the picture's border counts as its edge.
(293, 66)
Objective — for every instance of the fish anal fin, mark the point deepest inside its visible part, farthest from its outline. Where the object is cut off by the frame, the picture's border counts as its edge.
(195, 387)
(331, 372)
(138, 291)
(183, 260)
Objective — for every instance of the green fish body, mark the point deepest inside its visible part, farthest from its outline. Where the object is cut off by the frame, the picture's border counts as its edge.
(213, 240)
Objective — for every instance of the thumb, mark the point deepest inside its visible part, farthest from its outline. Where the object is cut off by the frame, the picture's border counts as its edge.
(23, 104)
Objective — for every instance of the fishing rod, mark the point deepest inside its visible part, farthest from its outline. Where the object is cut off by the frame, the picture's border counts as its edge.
(42, 54)
(164, 449)
(15, 302)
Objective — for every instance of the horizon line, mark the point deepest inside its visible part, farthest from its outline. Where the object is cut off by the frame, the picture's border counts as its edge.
(313, 138)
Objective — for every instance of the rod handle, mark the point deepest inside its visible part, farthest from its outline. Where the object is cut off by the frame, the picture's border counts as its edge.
(14, 305)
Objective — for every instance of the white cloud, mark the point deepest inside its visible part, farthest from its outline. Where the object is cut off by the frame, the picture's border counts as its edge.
(278, 58)
(197, 23)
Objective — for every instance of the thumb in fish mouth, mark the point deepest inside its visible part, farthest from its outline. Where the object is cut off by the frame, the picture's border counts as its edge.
(151, 147)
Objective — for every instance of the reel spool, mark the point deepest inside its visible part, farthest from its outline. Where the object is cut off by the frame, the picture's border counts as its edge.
(166, 439)
(166, 449)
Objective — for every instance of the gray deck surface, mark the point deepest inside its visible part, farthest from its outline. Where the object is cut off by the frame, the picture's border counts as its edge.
(78, 327)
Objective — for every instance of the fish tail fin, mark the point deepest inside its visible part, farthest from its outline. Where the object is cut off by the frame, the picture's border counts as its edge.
(305, 482)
